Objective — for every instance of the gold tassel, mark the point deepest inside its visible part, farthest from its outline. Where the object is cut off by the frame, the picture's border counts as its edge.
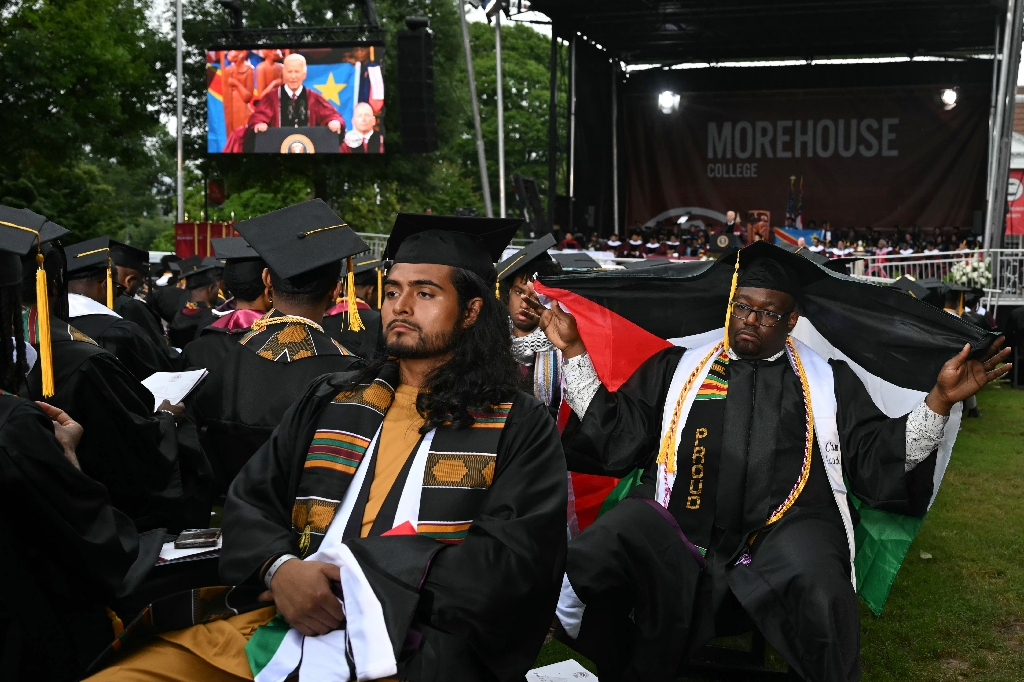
(355, 323)
(110, 286)
(115, 622)
(960, 307)
(43, 328)
(732, 292)
(380, 288)
(497, 289)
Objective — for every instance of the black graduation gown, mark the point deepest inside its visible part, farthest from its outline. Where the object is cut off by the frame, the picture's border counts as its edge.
(486, 604)
(364, 343)
(243, 399)
(136, 454)
(167, 301)
(65, 552)
(212, 346)
(127, 341)
(188, 322)
(796, 587)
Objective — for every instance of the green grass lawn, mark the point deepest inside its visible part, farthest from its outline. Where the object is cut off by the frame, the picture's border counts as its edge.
(960, 614)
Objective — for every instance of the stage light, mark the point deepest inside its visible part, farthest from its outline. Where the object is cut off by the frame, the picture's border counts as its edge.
(948, 98)
(683, 219)
(668, 102)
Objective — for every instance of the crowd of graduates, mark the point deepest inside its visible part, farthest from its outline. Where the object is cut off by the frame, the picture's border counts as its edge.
(436, 398)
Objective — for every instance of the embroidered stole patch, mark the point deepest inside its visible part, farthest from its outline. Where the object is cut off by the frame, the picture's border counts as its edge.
(281, 338)
(460, 465)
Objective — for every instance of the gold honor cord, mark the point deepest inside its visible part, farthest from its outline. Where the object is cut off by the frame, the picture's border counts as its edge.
(667, 453)
(355, 323)
(265, 321)
(42, 314)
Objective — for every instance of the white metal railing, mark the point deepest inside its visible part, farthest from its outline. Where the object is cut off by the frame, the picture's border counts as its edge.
(1001, 270)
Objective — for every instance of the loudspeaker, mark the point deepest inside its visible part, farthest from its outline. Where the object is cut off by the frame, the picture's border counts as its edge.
(416, 91)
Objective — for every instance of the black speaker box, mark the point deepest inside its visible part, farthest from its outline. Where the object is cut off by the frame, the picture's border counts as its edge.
(416, 91)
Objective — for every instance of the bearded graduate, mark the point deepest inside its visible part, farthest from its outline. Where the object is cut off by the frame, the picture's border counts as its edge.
(742, 517)
(539, 360)
(242, 401)
(407, 519)
(92, 284)
(243, 277)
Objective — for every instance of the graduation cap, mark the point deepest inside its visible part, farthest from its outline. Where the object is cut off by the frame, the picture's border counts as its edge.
(470, 243)
(517, 260)
(911, 287)
(576, 261)
(20, 231)
(233, 249)
(302, 238)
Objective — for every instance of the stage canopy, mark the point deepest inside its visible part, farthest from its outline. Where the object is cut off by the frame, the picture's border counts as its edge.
(650, 31)
(732, 142)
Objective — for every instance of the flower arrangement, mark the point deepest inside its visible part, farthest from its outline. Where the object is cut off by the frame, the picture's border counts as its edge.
(970, 272)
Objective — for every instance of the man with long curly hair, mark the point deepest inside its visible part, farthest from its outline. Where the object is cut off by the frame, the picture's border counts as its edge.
(407, 519)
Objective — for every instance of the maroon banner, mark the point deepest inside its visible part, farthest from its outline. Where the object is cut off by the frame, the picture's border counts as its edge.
(869, 157)
(191, 239)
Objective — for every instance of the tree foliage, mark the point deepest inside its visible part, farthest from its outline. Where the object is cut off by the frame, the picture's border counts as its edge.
(90, 83)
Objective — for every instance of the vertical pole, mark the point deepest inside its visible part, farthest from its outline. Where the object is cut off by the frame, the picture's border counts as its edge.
(992, 102)
(615, 147)
(553, 131)
(501, 116)
(1000, 162)
(572, 134)
(180, 124)
(481, 157)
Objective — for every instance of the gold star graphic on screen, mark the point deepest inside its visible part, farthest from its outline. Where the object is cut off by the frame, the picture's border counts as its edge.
(330, 89)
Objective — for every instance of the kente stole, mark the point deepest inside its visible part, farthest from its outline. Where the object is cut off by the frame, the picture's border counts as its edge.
(459, 468)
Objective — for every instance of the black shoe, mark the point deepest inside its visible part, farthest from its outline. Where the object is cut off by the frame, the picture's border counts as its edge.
(974, 413)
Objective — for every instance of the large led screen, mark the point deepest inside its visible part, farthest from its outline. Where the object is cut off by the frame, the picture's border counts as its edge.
(300, 100)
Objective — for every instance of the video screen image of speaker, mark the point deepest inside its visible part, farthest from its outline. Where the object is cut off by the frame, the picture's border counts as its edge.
(296, 100)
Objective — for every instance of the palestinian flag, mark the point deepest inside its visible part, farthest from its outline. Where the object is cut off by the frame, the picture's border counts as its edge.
(895, 343)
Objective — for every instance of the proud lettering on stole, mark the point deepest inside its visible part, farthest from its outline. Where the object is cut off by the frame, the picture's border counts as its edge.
(697, 471)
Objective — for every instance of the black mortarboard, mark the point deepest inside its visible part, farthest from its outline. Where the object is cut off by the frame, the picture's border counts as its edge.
(362, 264)
(766, 266)
(576, 261)
(233, 249)
(22, 231)
(301, 238)
(911, 287)
(88, 257)
(125, 256)
(537, 249)
(470, 243)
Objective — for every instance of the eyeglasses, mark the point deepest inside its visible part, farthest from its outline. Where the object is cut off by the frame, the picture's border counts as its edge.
(765, 318)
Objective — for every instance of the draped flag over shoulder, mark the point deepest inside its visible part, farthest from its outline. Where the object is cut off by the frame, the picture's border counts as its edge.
(895, 344)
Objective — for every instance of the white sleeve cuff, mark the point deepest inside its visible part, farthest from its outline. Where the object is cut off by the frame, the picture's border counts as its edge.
(581, 383)
(924, 433)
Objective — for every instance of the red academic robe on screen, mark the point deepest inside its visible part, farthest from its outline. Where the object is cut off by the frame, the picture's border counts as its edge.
(268, 110)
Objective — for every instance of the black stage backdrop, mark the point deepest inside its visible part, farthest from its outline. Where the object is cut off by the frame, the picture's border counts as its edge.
(741, 133)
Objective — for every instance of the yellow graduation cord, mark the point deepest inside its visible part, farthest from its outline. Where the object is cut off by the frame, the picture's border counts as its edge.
(110, 285)
(355, 323)
(732, 292)
(380, 288)
(960, 307)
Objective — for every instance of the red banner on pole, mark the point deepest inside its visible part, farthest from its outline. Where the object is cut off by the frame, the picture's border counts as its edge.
(192, 239)
(1015, 198)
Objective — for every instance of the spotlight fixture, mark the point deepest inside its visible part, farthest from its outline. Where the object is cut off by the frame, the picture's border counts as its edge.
(948, 98)
(668, 102)
(683, 218)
